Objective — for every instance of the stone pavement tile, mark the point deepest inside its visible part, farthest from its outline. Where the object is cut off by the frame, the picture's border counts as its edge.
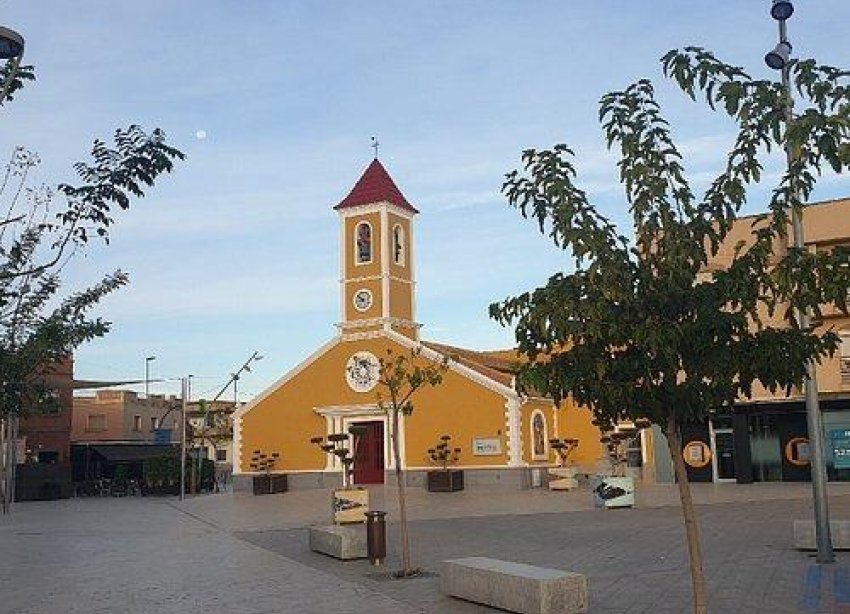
(636, 560)
(138, 556)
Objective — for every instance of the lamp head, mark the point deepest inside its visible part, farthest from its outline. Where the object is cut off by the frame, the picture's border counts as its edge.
(11, 44)
(781, 10)
(780, 56)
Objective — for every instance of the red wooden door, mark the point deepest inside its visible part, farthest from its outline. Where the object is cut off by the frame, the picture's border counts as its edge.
(369, 454)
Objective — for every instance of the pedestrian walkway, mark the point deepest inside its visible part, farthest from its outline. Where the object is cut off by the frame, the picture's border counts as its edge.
(144, 556)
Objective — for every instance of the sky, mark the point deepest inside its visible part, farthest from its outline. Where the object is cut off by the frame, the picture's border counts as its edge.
(274, 102)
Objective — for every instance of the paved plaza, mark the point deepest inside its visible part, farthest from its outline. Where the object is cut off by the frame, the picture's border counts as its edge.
(245, 554)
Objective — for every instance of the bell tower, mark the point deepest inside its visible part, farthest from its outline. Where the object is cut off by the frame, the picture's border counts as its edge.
(377, 280)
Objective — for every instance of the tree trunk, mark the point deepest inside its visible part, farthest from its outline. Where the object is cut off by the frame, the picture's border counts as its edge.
(674, 442)
(402, 500)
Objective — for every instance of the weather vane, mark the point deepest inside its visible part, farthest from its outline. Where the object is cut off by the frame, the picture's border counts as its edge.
(375, 145)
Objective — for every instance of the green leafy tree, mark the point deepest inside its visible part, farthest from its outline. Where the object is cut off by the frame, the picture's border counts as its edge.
(41, 229)
(400, 376)
(639, 329)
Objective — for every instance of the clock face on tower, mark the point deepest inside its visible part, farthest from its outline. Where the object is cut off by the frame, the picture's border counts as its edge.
(362, 299)
(361, 371)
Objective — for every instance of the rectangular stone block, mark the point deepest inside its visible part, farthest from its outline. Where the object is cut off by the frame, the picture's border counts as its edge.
(804, 534)
(515, 587)
(341, 542)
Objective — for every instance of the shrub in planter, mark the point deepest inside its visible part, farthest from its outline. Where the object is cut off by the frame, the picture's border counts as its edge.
(266, 484)
(444, 479)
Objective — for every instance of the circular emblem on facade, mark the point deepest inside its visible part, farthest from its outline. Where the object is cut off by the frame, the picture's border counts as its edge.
(697, 454)
(797, 451)
(361, 371)
(362, 299)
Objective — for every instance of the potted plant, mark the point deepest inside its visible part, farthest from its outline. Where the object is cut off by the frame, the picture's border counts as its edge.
(349, 503)
(267, 484)
(563, 477)
(617, 489)
(444, 479)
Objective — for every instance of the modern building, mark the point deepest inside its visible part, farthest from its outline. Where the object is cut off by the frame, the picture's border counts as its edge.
(122, 416)
(502, 435)
(765, 437)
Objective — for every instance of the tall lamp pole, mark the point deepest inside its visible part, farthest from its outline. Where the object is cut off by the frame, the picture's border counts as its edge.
(780, 59)
(148, 361)
(11, 48)
(184, 386)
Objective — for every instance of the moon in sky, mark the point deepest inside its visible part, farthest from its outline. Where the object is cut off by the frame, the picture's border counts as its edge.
(201, 135)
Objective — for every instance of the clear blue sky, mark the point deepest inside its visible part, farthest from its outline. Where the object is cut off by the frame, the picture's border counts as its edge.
(237, 251)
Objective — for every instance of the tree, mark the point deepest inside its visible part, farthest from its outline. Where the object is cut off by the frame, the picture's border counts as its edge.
(400, 376)
(41, 229)
(640, 329)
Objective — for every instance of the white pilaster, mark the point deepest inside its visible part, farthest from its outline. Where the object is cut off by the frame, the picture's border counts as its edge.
(514, 427)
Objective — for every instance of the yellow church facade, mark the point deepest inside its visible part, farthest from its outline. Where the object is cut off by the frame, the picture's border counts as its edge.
(502, 435)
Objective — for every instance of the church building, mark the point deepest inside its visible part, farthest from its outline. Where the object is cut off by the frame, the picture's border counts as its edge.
(502, 435)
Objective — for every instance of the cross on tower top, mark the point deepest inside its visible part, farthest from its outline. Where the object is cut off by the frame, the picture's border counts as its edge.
(375, 145)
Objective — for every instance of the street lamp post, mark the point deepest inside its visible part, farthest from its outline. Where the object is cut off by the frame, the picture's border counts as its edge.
(11, 48)
(780, 59)
(148, 361)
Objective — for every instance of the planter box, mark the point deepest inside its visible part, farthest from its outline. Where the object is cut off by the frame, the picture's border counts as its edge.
(609, 491)
(270, 484)
(350, 505)
(445, 481)
(562, 478)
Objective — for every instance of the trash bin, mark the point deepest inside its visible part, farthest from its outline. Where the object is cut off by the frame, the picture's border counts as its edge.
(376, 537)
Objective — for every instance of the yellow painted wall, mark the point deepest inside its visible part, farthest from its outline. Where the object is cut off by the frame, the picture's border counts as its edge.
(401, 300)
(285, 420)
(353, 270)
(461, 408)
(575, 422)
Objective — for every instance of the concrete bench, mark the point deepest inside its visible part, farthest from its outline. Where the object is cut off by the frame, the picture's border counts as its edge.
(514, 586)
(804, 534)
(345, 543)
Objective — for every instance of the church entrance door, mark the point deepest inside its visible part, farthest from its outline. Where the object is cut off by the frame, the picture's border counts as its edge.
(369, 453)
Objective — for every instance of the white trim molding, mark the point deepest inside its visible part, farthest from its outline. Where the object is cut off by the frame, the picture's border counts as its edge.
(376, 208)
(385, 263)
(514, 428)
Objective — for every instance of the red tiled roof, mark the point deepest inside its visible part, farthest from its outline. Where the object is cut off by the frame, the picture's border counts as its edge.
(494, 365)
(375, 185)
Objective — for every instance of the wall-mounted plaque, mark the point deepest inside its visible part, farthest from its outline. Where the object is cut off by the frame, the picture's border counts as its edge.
(487, 446)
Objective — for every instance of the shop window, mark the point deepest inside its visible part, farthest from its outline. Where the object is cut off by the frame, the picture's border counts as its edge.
(363, 238)
(96, 423)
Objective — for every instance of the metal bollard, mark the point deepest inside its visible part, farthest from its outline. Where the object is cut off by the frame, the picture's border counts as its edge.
(376, 537)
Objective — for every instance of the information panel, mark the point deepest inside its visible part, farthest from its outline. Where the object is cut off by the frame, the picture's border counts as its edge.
(840, 439)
